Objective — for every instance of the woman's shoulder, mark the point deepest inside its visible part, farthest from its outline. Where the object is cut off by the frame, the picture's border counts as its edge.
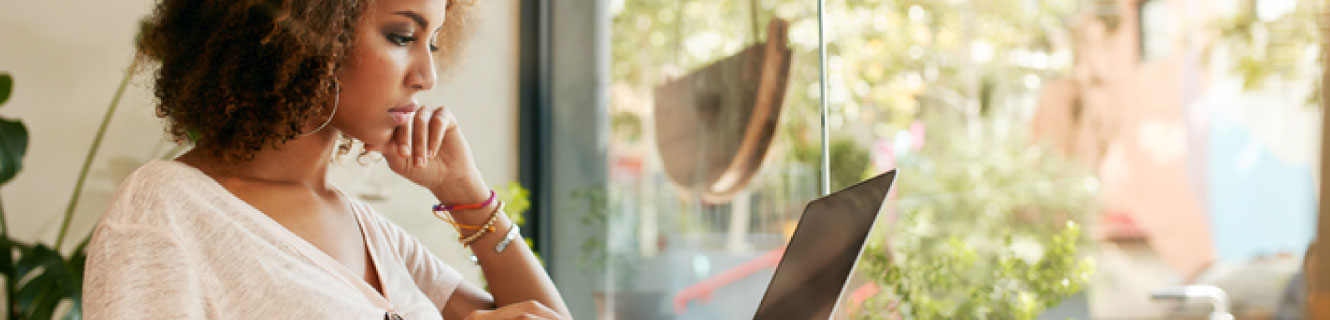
(161, 172)
(156, 189)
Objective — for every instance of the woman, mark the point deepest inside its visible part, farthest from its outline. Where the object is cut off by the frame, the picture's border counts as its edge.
(246, 225)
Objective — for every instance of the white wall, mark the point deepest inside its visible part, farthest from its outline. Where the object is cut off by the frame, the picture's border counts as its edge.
(67, 57)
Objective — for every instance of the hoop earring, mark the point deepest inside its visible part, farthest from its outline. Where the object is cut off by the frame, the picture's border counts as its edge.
(336, 101)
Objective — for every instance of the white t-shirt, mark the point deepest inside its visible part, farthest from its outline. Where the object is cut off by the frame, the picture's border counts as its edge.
(175, 244)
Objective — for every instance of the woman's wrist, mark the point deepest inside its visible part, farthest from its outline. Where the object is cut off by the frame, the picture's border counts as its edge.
(462, 193)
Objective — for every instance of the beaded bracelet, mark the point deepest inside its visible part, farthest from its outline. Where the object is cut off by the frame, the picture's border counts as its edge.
(448, 217)
(488, 227)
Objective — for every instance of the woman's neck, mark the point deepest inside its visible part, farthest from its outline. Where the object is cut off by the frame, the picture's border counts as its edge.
(300, 162)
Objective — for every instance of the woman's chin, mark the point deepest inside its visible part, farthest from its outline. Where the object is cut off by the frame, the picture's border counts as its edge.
(371, 145)
(377, 144)
(373, 140)
(375, 147)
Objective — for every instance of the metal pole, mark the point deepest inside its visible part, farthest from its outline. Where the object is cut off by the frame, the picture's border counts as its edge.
(822, 96)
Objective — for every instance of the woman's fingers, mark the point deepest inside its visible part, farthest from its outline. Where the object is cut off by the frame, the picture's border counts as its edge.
(402, 140)
(529, 309)
(420, 136)
(541, 310)
(479, 314)
(438, 126)
(420, 139)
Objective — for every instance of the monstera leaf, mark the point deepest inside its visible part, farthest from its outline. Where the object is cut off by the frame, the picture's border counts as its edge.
(13, 143)
(41, 279)
(6, 85)
(13, 137)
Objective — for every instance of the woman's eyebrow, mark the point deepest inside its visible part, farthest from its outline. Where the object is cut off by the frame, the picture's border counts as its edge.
(414, 16)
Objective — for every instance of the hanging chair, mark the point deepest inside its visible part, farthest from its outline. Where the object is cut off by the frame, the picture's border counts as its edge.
(715, 124)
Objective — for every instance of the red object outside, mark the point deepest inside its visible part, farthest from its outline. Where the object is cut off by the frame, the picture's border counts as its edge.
(702, 290)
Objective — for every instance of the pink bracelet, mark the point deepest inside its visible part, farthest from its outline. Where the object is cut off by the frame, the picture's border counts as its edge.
(442, 207)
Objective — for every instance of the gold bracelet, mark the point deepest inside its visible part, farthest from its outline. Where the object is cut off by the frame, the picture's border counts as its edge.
(489, 226)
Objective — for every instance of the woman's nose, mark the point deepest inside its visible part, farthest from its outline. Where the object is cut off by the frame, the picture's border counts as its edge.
(422, 75)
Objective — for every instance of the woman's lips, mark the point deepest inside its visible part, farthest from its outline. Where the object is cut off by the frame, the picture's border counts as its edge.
(402, 115)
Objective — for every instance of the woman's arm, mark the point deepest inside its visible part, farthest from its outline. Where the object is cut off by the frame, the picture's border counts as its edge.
(433, 152)
(514, 275)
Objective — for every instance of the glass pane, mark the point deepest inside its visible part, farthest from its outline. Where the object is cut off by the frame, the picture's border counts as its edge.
(1079, 159)
(713, 153)
(1059, 159)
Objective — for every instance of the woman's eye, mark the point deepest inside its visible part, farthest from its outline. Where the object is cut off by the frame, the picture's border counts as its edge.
(433, 48)
(401, 40)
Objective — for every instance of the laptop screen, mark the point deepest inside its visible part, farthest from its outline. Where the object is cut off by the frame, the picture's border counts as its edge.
(823, 251)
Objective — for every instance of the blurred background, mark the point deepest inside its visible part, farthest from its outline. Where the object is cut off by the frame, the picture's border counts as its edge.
(1058, 158)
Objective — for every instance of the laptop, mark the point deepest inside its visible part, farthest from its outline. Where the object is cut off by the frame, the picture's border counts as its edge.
(823, 251)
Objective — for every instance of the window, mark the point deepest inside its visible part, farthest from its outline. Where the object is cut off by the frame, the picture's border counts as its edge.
(1038, 178)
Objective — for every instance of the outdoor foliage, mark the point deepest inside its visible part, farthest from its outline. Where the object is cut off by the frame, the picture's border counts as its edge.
(1277, 44)
(988, 229)
(989, 225)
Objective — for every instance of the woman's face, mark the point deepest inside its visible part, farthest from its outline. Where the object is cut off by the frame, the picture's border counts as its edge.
(391, 61)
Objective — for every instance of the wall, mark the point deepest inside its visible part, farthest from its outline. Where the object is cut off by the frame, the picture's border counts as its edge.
(67, 57)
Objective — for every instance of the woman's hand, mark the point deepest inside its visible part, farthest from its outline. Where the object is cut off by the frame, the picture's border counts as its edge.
(432, 152)
(524, 310)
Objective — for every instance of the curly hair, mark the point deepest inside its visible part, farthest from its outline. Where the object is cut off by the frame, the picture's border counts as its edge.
(235, 76)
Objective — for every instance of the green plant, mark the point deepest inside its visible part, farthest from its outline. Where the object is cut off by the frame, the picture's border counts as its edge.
(516, 201)
(989, 230)
(597, 255)
(38, 278)
(15, 139)
(596, 217)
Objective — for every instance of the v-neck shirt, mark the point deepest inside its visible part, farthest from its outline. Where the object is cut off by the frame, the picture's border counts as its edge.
(176, 244)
